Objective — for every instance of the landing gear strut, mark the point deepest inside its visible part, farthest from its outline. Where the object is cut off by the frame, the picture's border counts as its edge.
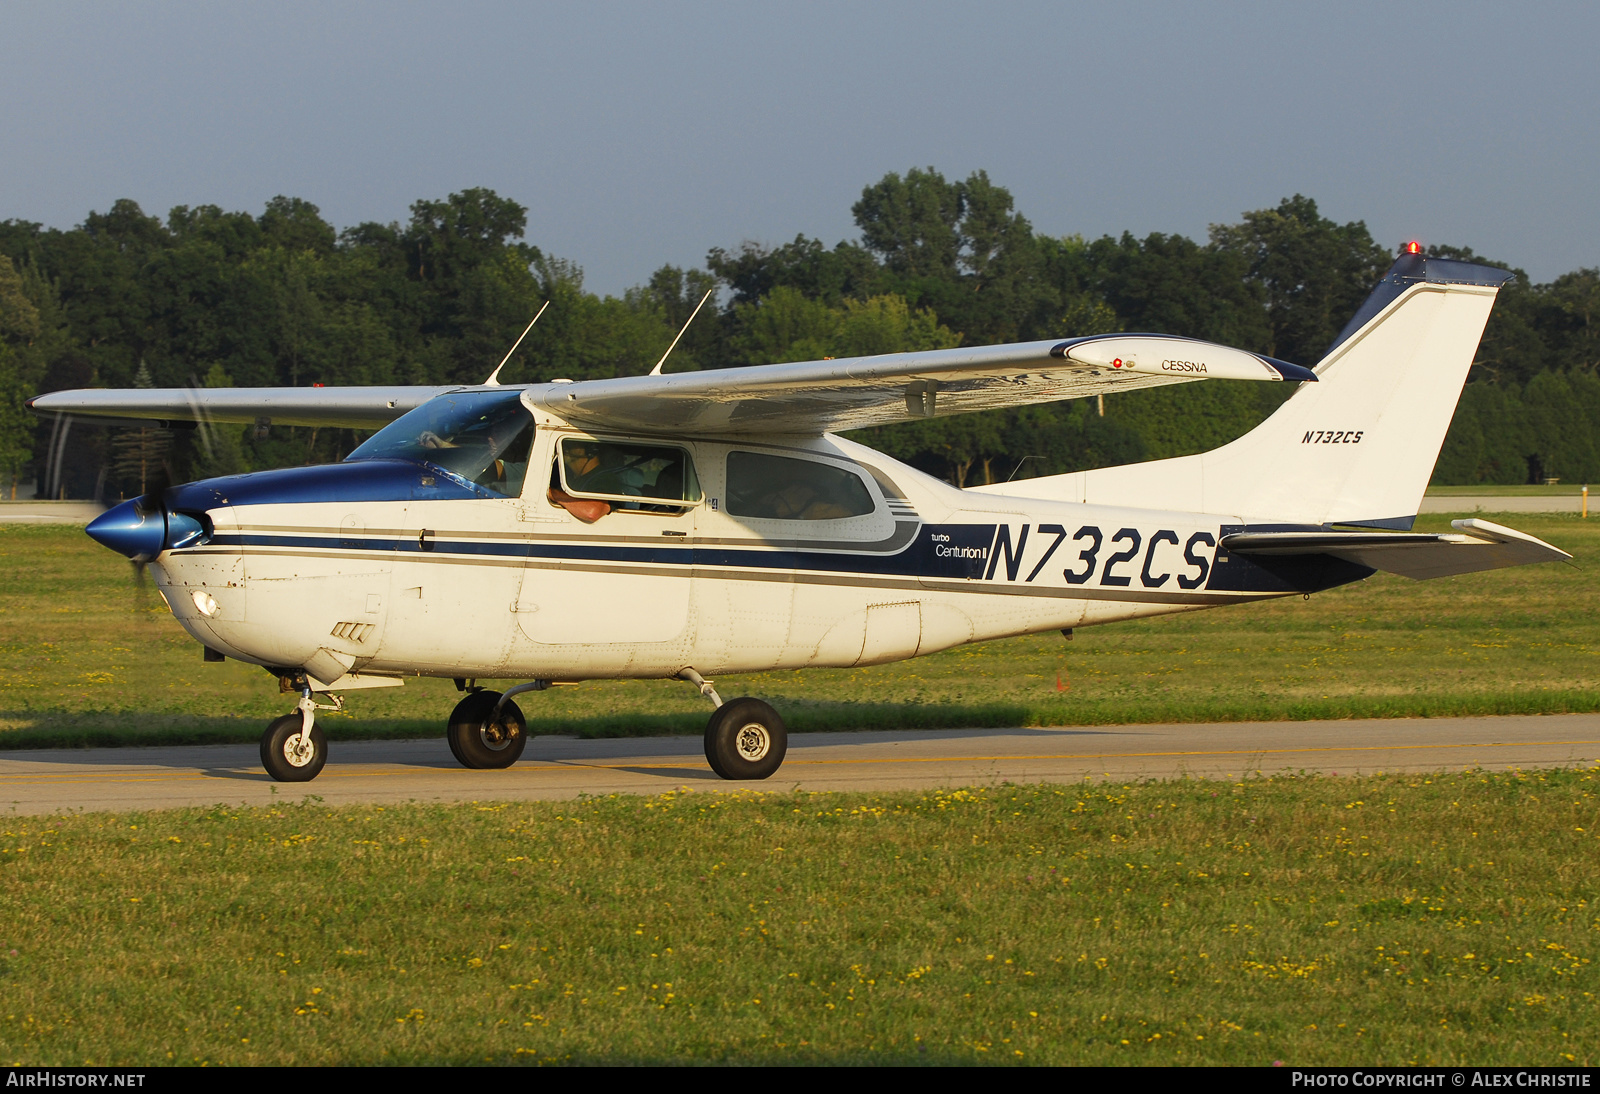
(294, 748)
(745, 738)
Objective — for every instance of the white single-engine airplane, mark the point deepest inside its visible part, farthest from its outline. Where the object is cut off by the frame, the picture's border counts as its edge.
(704, 523)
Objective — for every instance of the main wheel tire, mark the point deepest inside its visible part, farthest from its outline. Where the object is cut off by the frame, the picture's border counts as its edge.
(745, 739)
(284, 755)
(450, 735)
(478, 744)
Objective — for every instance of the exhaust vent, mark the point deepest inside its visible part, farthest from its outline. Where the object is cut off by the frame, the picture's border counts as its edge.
(352, 632)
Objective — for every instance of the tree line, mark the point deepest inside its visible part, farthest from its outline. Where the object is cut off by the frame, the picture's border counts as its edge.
(208, 297)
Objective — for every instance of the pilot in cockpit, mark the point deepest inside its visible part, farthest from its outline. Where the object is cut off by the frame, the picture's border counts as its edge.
(480, 453)
(620, 470)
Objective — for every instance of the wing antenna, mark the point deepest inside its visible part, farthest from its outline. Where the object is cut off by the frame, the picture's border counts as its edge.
(657, 370)
(494, 377)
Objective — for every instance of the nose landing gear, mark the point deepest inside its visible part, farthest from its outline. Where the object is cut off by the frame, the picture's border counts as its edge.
(294, 748)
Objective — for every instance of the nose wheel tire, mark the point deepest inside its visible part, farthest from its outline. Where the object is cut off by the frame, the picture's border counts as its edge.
(745, 739)
(288, 758)
(478, 744)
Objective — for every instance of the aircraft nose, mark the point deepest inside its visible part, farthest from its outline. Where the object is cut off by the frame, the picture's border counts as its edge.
(136, 528)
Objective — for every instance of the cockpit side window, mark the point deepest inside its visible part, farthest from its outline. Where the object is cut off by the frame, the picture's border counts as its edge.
(782, 488)
(485, 437)
(662, 477)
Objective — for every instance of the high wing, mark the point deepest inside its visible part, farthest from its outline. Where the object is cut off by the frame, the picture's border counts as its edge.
(352, 407)
(852, 392)
(1418, 555)
(807, 397)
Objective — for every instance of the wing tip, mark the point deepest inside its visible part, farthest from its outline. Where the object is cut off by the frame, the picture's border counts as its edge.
(1290, 372)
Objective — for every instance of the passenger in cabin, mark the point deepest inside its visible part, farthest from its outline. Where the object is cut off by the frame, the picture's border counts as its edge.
(782, 488)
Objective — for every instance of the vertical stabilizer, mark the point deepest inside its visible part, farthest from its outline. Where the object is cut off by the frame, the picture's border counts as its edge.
(1358, 446)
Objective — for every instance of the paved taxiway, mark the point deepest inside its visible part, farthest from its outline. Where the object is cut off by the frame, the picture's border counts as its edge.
(565, 767)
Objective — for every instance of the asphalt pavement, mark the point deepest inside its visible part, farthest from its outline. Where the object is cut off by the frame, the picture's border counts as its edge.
(554, 768)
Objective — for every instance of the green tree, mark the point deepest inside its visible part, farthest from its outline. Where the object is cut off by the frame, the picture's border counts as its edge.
(1313, 273)
(1573, 309)
(19, 329)
(675, 295)
(957, 247)
(296, 225)
(479, 289)
(139, 453)
(831, 276)
(587, 337)
(221, 446)
(1171, 285)
(787, 326)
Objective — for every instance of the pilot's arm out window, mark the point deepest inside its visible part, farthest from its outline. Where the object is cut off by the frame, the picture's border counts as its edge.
(772, 487)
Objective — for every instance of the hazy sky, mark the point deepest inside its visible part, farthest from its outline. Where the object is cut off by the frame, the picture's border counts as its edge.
(639, 134)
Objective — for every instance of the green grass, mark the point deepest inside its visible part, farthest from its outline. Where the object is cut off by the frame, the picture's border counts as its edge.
(87, 658)
(1380, 920)
(1559, 490)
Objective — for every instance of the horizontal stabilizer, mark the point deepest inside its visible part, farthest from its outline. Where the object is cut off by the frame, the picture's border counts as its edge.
(1480, 545)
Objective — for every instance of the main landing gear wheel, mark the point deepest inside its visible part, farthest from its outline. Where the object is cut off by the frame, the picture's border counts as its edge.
(289, 758)
(745, 739)
(475, 742)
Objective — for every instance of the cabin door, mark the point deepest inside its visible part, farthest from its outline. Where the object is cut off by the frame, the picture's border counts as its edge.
(622, 577)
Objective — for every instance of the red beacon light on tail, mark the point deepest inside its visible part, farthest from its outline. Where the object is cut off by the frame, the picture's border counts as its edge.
(1413, 248)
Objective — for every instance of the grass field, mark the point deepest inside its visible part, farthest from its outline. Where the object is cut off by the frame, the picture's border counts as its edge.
(86, 657)
(1559, 490)
(1389, 919)
(1447, 919)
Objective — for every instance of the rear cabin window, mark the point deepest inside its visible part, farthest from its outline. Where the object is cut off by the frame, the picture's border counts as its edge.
(781, 488)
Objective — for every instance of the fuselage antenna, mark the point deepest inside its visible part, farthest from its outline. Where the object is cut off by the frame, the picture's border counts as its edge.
(657, 370)
(494, 377)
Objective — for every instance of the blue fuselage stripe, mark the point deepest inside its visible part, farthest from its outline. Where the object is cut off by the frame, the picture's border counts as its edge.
(902, 564)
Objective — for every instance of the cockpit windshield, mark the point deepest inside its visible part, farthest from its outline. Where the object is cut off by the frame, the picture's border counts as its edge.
(483, 436)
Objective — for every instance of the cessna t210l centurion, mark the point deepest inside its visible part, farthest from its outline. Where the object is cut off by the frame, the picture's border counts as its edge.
(704, 523)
